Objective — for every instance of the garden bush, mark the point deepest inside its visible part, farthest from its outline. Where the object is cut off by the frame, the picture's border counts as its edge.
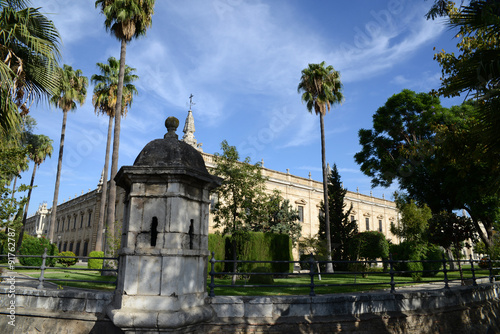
(434, 254)
(65, 261)
(35, 246)
(261, 279)
(95, 263)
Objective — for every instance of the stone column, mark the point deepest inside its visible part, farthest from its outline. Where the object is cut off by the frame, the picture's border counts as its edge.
(164, 248)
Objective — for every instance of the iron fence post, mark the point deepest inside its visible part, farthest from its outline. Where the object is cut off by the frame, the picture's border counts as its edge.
(44, 257)
(212, 273)
(311, 273)
(474, 283)
(391, 271)
(445, 271)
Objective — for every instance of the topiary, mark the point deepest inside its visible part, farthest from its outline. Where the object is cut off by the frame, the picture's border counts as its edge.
(66, 261)
(36, 246)
(259, 278)
(95, 263)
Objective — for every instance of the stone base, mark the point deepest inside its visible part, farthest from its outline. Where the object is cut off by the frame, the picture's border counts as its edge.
(140, 321)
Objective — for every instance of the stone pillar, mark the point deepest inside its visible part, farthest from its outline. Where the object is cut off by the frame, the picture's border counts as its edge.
(164, 250)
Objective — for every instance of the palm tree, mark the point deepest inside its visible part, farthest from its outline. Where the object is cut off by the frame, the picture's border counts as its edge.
(29, 50)
(321, 88)
(72, 89)
(126, 19)
(104, 101)
(40, 147)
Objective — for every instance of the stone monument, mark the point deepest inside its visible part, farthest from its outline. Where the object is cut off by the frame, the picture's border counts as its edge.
(164, 247)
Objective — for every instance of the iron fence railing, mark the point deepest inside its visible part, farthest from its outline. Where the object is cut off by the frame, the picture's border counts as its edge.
(43, 267)
(389, 272)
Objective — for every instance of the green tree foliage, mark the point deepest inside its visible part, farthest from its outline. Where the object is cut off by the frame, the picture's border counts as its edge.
(342, 228)
(36, 246)
(95, 263)
(29, 50)
(476, 69)
(429, 151)
(280, 217)
(66, 261)
(11, 207)
(321, 88)
(241, 195)
(414, 221)
(451, 232)
(369, 245)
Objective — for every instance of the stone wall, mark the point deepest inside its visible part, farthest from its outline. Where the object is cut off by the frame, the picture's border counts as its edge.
(464, 309)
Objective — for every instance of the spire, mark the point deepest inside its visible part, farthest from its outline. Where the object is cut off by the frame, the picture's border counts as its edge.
(189, 129)
(101, 181)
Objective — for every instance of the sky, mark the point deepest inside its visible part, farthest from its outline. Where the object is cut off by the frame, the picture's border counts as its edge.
(242, 61)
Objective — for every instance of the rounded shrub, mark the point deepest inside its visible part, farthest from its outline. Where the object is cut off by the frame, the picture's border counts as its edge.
(259, 278)
(434, 255)
(66, 261)
(95, 263)
(35, 246)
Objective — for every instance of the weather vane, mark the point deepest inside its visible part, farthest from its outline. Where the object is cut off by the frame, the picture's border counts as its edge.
(191, 103)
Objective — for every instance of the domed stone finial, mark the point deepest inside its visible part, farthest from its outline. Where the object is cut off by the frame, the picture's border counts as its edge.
(171, 124)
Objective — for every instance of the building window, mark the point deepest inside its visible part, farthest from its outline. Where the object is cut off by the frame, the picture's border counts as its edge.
(59, 246)
(81, 221)
(71, 247)
(301, 213)
(77, 250)
(367, 220)
(57, 230)
(62, 225)
(74, 222)
(69, 222)
(380, 225)
(65, 246)
(90, 215)
(85, 248)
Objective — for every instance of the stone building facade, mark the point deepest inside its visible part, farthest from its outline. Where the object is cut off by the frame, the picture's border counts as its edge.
(77, 218)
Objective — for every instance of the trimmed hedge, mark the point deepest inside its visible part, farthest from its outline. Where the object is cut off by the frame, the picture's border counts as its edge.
(67, 262)
(253, 246)
(95, 263)
(35, 246)
(259, 278)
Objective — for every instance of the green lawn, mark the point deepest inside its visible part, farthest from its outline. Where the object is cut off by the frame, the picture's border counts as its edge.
(69, 274)
(338, 282)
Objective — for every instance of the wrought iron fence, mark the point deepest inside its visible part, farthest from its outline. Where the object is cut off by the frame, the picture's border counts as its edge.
(314, 274)
(43, 267)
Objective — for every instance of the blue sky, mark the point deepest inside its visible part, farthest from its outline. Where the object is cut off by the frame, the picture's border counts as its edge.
(242, 61)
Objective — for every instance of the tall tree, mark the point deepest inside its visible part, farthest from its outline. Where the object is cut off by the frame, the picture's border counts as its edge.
(126, 19)
(342, 228)
(475, 70)
(434, 155)
(40, 147)
(321, 88)
(72, 89)
(279, 217)
(104, 100)
(241, 197)
(29, 50)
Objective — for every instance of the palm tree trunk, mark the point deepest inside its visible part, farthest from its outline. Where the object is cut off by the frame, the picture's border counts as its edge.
(116, 146)
(329, 266)
(100, 226)
(25, 214)
(58, 178)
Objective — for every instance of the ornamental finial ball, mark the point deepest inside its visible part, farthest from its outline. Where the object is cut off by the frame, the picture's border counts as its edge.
(171, 124)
